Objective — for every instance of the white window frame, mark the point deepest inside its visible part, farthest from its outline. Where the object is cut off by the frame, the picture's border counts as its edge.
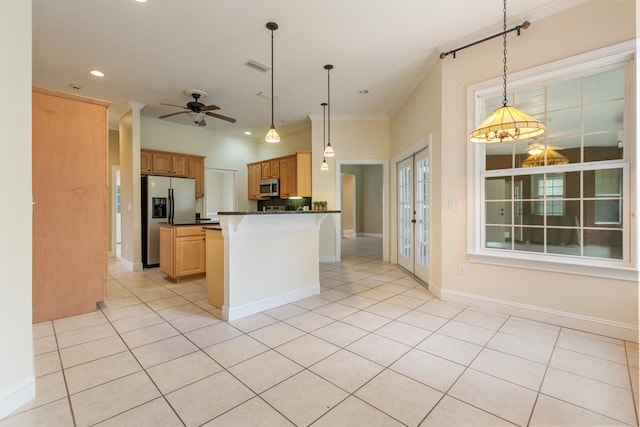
(576, 66)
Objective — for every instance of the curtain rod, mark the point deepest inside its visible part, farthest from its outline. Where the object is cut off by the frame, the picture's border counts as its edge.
(517, 28)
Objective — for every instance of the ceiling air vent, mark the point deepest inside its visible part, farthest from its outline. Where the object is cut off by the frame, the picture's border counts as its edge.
(259, 66)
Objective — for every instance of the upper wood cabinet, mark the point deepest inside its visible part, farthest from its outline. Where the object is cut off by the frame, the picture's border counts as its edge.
(254, 172)
(295, 175)
(294, 172)
(171, 164)
(174, 164)
(146, 163)
(196, 171)
(69, 182)
(270, 169)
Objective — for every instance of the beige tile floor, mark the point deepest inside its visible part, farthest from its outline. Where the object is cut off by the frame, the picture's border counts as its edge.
(375, 348)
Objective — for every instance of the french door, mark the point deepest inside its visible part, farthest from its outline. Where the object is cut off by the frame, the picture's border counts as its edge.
(413, 214)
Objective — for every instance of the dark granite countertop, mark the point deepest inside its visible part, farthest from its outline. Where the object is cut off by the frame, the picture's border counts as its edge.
(276, 212)
(166, 224)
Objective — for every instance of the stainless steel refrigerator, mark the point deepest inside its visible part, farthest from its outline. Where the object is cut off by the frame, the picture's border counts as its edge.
(164, 199)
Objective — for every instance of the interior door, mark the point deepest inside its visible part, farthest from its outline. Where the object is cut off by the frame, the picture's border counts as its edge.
(414, 214)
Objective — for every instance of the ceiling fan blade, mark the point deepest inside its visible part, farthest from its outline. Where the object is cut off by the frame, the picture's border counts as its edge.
(209, 108)
(173, 105)
(220, 116)
(172, 114)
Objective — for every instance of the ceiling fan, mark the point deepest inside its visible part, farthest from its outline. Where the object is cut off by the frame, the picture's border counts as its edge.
(196, 110)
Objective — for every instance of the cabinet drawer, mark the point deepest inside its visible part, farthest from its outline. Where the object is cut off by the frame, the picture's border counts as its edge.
(190, 231)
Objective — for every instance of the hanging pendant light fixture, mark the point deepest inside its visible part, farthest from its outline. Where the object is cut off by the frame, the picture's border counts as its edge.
(328, 150)
(325, 165)
(507, 123)
(272, 135)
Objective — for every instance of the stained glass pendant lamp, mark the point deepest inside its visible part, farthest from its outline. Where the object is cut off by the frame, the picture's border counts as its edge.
(507, 123)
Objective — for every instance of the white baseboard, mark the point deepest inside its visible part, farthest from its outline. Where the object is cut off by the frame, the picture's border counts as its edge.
(268, 303)
(15, 397)
(328, 258)
(570, 320)
(379, 235)
(130, 265)
(347, 234)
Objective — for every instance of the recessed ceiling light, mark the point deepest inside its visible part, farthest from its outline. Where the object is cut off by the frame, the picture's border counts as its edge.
(96, 73)
(246, 132)
(141, 1)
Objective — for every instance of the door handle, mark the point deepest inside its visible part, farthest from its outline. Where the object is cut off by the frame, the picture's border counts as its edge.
(413, 221)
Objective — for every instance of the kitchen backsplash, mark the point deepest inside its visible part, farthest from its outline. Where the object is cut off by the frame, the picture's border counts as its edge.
(288, 204)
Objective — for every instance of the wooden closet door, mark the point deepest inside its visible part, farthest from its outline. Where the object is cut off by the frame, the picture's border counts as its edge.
(69, 149)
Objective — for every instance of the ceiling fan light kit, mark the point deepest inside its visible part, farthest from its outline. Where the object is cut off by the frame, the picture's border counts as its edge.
(196, 110)
(272, 136)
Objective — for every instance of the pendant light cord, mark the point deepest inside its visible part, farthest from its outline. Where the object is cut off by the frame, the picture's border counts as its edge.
(272, 94)
(328, 105)
(504, 58)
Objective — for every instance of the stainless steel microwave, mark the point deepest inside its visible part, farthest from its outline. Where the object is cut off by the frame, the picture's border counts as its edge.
(270, 187)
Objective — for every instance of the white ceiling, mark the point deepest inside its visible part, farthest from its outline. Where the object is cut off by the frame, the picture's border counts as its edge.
(151, 52)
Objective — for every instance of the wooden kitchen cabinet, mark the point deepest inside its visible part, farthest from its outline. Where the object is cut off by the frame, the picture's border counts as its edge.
(254, 171)
(182, 251)
(146, 162)
(270, 169)
(69, 182)
(169, 164)
(294, 172)
(196, 171)
(295, 175)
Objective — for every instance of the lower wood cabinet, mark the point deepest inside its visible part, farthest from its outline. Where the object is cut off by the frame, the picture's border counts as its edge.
(182, 250)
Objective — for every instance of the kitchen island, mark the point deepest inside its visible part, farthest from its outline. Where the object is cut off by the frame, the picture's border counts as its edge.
(260, 260)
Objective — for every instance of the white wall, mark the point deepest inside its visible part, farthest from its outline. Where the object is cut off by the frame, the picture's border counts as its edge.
(222, 151)
(351, 138)
(17, 384)
(290, 142)
(577, 300)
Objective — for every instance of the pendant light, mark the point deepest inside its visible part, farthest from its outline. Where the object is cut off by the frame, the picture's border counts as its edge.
(328, 150)
(272, 135)
(507, 123)
(325, 165)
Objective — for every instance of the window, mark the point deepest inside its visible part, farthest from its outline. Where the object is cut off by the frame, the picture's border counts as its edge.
(560, 197)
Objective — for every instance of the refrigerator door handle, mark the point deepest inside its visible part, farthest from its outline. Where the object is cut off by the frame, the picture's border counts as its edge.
(170, 203)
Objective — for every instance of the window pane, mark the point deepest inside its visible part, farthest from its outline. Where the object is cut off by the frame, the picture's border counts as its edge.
(498, 237)
(603, 116)
(603, 146)
(564, 95)
(563, 236)
(532, 237)
(603, 243)
(603, 183)
(498, 188)
(498, 212)
(601, 213)
(563, 123)
(556, 242)
(532, 101)
(604, 86)
(499, 156)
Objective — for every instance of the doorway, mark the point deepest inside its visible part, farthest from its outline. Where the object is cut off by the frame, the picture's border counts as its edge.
(116, 222)
(368, 195)
(413, 216)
